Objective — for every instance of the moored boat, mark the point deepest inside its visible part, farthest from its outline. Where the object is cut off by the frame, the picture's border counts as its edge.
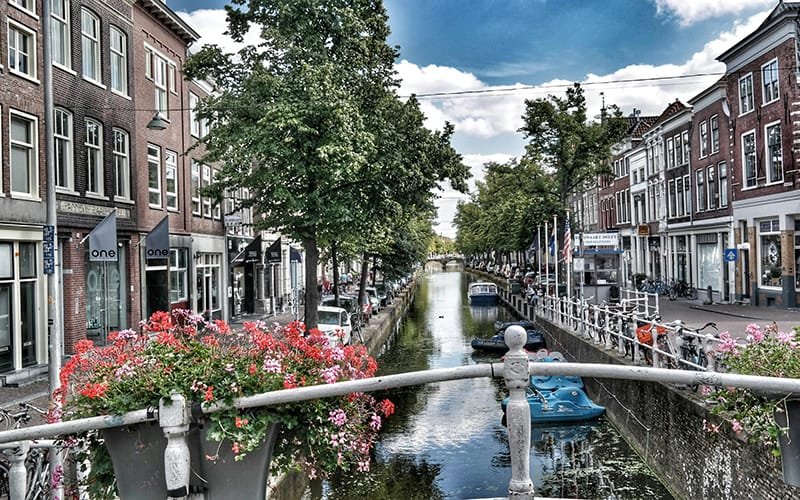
(497, 343)
(567, 404)
(482, 294)
(554, 382)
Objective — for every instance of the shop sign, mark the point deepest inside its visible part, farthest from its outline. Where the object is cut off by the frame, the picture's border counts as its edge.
(601, 239)
(643, 230)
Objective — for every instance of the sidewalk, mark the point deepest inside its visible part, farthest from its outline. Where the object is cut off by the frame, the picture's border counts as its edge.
(730, 317)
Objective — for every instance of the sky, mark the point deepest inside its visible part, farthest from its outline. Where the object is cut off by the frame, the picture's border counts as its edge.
(640, 54)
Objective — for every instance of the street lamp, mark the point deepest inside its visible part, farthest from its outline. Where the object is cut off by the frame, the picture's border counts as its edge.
(158, 122)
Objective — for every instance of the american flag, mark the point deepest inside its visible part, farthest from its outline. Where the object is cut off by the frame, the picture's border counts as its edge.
(567, 242)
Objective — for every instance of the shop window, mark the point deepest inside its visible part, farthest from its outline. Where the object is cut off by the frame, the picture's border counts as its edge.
(770, 258)
(709, 264)
(178, 275)
(797, 253)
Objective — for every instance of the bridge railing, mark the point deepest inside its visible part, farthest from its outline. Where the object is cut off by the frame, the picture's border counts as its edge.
(516, 369)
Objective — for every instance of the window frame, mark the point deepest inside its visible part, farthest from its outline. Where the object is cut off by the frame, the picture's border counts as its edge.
(122, 160)
(31, 56)
(769, 154)
(197, 208)
(701, 191)
(33, 155)
(154, 160)
(118, 59)
(723, 183)
(171, 164)
(713, 124)
(95, 42)
(205, 181)
(711, 186)
(773, 86)
(69, 159)
(216, 208)
(772, 233)
(178, 275)
(31, 10)
(748, 96)
(670, 153)
(65, 25)
(702, 135)
(746, 154)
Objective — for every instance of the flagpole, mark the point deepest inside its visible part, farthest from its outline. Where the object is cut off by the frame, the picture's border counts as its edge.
(568, 259)
(539, 252)
(555, 248)
(547, 261)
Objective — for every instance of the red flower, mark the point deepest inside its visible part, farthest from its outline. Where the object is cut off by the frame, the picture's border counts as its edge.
(92, 391)
(387, 407)
(83, 346)
(241, 422)
(209, 394)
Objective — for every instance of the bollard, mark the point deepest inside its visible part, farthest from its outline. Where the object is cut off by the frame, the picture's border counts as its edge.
(709, 296)
(17, 475)
(518, 413)
(173, 417)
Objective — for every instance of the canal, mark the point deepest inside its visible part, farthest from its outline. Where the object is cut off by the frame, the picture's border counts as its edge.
(446, 440)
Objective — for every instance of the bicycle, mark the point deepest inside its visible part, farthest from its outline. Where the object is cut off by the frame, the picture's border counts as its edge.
(648, 332)
(37, 483)
(694, 354)
(682, 289)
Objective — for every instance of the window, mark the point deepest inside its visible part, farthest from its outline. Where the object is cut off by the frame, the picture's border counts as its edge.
(217, 206)
(119, 61)
(678, 150)
(21, 50)
(94, 156)
(171, 70)
(23, 154)
(178, 275)
(198, 125)
(206, 183)
(195, 188)
(60, 32)
(122, 168)
(770, 247)
(746, 94)
(701, 192)
(723, 184)
(171, 171)
(713, 194)
(769, 78)
(714, 134)
(774, 153)
(686, 146)
(28, 5)
(749, 159)
(90, 45)
(703, 139)
(154, 175)
(797, 253)
(687, 195)
(670, 153)
(62, 143)
(161, 72)
(672, 201)
(680, 209)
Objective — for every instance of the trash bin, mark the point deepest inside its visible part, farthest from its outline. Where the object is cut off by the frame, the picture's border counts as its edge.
(613, 294)
(562, 290)
(514, 286)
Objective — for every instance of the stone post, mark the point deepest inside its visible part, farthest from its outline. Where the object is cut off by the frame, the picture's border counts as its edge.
(17, 475)
(518, 414)
(173, 417)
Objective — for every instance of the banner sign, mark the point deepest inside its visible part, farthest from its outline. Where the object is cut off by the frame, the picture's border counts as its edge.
(103, 240)
(274, 252)
(601, 239)
(157, 241)
(48, 245)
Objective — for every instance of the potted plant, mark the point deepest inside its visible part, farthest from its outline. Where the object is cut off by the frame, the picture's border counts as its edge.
(207, 362)
(763, 417)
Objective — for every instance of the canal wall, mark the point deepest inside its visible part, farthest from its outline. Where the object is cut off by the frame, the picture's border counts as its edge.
(665, 425)
(383, 325)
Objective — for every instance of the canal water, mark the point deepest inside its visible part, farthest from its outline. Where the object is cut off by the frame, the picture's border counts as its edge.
(446, 441)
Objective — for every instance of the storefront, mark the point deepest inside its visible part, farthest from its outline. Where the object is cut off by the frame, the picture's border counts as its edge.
(244, 267)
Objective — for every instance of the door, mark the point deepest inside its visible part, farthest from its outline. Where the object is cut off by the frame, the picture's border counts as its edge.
(745, 256)
(6, 333)
(249, 305)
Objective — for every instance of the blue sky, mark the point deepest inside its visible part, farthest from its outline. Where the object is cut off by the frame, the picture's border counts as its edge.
(456, 45)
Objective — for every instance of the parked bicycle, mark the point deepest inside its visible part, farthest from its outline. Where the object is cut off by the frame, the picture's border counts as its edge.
(657, 286)
(693, 349)
(682, 289)
(36, 463)
(649, 332)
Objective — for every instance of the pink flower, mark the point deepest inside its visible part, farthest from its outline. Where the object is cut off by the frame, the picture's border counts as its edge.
(331, 374)
(272, 365)
(728, 344)
(375, 423)
(338, 417)
(736, 426)
(785, 337)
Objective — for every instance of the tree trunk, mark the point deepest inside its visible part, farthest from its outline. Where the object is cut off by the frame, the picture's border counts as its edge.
(362, 282)
(312, 294)
(335, 264)
(374, 268)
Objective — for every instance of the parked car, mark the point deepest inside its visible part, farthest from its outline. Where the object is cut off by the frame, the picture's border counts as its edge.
(350, 304)
(384, 293)
(334, 322)
(373, 297)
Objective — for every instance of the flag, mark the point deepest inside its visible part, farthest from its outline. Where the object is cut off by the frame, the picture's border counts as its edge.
(552, 243)
(531, 250)
(103, 240)
(157, 241)
(567, 242)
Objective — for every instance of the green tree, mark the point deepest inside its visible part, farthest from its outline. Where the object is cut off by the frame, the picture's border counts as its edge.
(561, 136)
(308, 121)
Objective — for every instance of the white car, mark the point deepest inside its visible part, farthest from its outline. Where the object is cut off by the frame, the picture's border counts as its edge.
(334, 322)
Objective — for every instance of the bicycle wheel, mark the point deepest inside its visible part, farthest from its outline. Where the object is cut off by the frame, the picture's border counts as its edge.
(673, 293)
(4, 486)
(692, 293)
(38, 474)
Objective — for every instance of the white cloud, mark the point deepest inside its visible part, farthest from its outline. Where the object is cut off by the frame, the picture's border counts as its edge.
(212, 24)
(689, 12)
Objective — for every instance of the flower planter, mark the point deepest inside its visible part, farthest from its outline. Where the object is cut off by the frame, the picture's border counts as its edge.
(137, 453)
(790, 441)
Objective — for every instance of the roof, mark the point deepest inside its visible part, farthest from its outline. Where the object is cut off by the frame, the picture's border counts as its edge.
(162, 12)
(781, 12)
(673, 109)
(331, 309)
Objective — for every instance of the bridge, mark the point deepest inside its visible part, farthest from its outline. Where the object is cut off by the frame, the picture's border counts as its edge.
(445, 259)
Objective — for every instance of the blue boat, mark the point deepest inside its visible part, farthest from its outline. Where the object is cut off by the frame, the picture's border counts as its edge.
(553, 382)
(566, 404)
(482, 294)
(497, 343)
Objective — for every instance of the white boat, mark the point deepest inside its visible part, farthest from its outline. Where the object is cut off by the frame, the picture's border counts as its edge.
(482, 294)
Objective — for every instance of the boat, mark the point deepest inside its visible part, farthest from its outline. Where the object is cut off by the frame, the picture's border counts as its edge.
(482, 294)
(497, 343)
(566, 404)
(553, 382)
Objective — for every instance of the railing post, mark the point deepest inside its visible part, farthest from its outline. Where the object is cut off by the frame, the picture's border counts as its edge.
(607, 328)
(596, 324)
(173, 417)
(711, 357)
(637, 353)
(17, 475)
(518, 413)
(620, 336)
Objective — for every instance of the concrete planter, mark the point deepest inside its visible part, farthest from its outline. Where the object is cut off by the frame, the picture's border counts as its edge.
(787, 414)
(137, 453)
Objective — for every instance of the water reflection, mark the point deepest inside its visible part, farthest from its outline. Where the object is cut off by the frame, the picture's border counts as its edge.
(446, 440)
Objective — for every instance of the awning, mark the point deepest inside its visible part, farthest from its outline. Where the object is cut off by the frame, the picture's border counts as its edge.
(251, 253)
(601, 251)
(274, 252)
(294, 255)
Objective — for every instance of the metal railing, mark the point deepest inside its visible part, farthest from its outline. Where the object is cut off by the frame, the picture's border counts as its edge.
(516, 369)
